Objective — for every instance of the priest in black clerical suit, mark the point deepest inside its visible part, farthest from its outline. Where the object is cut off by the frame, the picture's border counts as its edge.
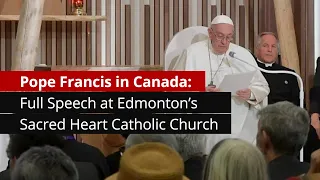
(283, 87)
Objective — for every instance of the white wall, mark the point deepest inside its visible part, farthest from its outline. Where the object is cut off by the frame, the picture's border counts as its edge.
(317, 29)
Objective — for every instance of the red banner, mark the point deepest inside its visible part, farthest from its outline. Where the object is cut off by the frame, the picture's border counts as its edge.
(100, 81)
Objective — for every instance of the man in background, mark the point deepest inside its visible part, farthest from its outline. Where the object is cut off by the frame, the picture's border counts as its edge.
(44, 163)
(282, 131)
(212, 56)
(20, 143)
(283, 87)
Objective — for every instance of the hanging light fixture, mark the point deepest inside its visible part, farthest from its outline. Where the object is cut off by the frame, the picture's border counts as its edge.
(78, 7)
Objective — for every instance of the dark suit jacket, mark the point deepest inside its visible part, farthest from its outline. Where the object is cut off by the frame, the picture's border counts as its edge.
(284, 167)
(312, 144)
(315, 91)
(194, 168)
(113, 161)
(81, 152)
(5, 175)
(315, 100)
(283, 87)
(86, 171)
(317, 74)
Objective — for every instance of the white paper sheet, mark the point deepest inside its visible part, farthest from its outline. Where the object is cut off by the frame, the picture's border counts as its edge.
(235, 82)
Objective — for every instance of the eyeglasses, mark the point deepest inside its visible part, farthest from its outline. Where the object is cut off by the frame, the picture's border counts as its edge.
(221, 37)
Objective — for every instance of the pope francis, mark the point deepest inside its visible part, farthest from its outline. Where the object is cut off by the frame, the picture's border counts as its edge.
(212, 56)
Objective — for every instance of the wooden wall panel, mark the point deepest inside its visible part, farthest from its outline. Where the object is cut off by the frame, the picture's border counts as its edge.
(118, 32)
(147, 33)
(267, 16)
(98, 33)
(8, 43)
(87, 32)
(175, 16)
(166, 22)
(157, 29)
(185, 13)
(128, 35)
(223, 7)
(306, 39)
(251, 14)
(204, 12)
(242, 26)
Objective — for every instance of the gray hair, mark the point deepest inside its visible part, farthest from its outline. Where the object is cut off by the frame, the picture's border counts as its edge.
(168, 139)
(191, 145)
(268, 33)
(235, 159)
(287, 125)
(43, 163)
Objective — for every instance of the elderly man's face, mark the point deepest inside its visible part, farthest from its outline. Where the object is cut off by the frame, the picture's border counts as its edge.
(221, 35)
(268, 49)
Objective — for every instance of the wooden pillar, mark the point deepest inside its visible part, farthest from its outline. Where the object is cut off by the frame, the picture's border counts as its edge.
(28, 35)
(286, 34)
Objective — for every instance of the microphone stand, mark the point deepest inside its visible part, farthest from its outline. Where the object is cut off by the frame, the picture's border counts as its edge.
(301, 94)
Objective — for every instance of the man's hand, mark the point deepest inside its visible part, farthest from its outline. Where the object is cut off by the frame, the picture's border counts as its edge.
(212, 89)
(244, 94)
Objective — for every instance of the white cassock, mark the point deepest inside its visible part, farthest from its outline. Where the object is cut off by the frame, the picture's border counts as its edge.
(4, 140)
(243, 117)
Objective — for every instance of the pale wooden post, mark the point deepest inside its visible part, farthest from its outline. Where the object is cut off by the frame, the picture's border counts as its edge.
(286, 34)
(28, 35)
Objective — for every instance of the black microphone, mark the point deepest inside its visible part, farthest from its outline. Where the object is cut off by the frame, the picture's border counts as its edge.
(231, 54)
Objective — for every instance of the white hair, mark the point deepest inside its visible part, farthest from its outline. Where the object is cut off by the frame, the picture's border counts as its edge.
(235, 159)
(259, 41)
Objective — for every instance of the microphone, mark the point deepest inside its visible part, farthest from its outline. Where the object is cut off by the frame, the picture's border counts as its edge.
(301, 94)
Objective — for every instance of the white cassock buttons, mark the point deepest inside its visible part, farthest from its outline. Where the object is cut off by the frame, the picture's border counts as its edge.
(286, 82)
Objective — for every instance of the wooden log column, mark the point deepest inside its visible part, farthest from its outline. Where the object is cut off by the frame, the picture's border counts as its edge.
(286, 34)
(28, 35)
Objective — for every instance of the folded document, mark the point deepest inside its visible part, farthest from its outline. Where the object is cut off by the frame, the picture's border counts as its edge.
(235, 82)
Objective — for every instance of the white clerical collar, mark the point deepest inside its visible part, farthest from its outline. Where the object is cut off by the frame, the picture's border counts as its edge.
(266, 64)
